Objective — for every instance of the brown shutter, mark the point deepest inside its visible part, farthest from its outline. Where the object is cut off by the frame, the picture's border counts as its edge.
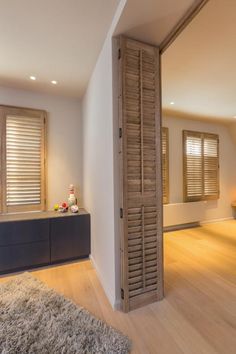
(193, 169)
(165, 164)
(201, 166)
(211, 166)
(141, 237)
(23, 160)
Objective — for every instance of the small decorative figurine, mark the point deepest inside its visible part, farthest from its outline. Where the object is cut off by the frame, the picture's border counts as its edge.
(63, 207)
(72, 202)
(74, 209)
(72, 199)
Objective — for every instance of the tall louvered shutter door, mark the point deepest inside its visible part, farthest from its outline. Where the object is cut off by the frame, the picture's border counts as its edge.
(141, 236)
(165, 164)
(25, 162)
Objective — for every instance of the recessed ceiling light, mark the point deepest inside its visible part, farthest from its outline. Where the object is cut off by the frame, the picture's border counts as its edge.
(54, 82)
(33, 78)
(172, 103)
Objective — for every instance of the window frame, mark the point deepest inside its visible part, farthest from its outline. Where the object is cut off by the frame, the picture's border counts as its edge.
(202, 136)
(29, 113)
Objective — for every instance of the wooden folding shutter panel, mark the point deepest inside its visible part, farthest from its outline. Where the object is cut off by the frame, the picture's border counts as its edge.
(141, 210)
(165, 164)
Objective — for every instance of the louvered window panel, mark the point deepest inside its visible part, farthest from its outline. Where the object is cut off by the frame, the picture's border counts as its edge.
(24, 160)
(201, 166)
(211, 167)
(165, 164)
(141, 175)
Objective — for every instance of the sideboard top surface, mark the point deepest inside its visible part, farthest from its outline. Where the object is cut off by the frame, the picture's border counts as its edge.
(39, 215)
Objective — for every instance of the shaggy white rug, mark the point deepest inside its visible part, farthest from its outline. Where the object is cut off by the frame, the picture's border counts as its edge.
(35, 319)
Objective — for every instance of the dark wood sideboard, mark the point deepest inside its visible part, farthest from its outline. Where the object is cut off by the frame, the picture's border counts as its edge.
(35, 239)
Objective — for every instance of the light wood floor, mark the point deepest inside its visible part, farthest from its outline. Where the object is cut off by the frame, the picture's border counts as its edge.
(198, 314)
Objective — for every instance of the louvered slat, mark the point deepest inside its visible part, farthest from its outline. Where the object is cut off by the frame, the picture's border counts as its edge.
(141, 153)
(201, 166)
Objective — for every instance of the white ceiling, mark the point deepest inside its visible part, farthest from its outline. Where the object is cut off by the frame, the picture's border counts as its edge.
(52, 40)
(199, 68)
(151, 20)
(61, 39)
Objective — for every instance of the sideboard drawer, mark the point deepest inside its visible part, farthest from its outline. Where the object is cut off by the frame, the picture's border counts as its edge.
(16, 257)
(17, 232)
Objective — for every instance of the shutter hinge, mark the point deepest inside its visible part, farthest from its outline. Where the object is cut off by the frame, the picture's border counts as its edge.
(119, 54)
(121, 213)
(122, 294)
(120, 133)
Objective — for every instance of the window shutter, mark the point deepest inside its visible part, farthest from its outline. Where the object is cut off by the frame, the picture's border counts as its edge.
(24, 187)
(141, 225)
(211, 166)
(165, 164)
(193, 172)
(201, 160)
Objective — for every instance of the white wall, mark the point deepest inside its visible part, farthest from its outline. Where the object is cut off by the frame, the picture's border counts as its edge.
(99, 164)
(64, 138)
(98, 168)
(210, 210)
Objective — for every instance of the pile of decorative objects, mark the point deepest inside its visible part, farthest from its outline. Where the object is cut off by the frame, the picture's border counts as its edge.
(71, 205)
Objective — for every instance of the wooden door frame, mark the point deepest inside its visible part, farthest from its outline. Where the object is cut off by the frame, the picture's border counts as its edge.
(190, 14)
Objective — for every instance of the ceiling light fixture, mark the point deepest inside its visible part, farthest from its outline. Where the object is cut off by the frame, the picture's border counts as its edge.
(172, 103)
(32, 78)
(54, 82)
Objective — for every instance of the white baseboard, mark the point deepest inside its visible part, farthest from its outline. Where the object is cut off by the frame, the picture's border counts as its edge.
(194, 224)
(117, 305)
(180, 227)
(216, 220)
(107, 291)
